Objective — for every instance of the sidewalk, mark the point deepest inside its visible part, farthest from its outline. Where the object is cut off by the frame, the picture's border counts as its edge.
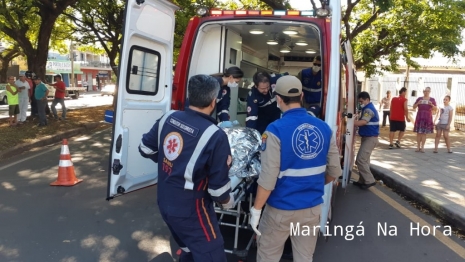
(435, 180)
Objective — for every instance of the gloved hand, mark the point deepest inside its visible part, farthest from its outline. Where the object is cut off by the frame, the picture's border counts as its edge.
(230, 203)
(225, 124)
(254, 219)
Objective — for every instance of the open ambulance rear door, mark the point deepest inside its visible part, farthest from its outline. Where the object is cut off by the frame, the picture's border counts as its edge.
(144, 91)
(349, 151)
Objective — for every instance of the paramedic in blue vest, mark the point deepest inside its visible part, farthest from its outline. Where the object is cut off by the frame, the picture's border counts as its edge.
(230, 79)
(261, 103)
(193, 156)
(368, 129)
(312, 85)
(299, 155)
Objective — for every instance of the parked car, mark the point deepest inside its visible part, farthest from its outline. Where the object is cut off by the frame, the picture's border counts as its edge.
(108, 90)
(3, 98)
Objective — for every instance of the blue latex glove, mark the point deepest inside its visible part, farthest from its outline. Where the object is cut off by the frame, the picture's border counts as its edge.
(225, 124)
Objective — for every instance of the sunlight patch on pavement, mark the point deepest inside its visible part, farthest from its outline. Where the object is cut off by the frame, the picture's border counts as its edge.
(455, 197)
(8, 209)
(110, 221)
(107, 246)
(153, 245)
(431, 184)
(116, 203)
(97, 144)
(76, 157)
(9, 252)
(69, 259)
(82, 138)
(8, 186)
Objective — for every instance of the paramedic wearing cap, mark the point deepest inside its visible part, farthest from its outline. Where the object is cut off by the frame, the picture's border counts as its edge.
(311, 83)
(230, 79)
(193, 156)
(300, 155)
(261, 104)
(368, 129)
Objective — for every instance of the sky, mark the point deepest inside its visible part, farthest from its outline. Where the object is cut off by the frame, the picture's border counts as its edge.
(301, 4)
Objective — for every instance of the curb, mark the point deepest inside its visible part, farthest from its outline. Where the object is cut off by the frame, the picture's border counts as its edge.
(47, 140)
(445, 212)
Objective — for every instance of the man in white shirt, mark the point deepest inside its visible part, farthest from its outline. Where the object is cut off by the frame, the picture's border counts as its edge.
(23, 85)
(386, 105)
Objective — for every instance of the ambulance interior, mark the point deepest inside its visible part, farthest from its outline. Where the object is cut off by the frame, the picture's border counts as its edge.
(271, 46)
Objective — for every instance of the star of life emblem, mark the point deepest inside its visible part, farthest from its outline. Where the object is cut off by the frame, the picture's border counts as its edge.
(307, 141)
(172, 145)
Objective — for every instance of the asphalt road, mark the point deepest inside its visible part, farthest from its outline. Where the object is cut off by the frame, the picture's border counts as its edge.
(89, 99)
(39, 222)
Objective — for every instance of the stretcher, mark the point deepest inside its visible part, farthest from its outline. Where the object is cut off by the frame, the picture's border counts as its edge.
(240, 216)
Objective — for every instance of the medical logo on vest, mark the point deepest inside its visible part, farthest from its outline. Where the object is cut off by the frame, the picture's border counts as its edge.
(172, 146)
(307, 141)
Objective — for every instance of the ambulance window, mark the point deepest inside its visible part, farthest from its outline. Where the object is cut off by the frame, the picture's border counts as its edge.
(143, 70)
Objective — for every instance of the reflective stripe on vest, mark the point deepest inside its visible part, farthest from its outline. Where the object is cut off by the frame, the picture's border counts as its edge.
(373, 124)
(251, 118)
(311, 89)
(311, 171)
(162, 122)
(272, 100)
(195, 155)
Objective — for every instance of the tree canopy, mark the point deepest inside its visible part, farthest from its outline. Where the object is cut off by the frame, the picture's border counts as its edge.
(99, 26)
(31, 23)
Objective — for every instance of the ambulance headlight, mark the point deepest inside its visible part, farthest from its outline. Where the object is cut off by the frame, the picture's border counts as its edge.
(322, 12)
(202, 11)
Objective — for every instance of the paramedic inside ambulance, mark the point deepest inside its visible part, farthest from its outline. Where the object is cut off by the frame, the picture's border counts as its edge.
(311, 84)
(261, 103)
(193, 156)
(230, 79)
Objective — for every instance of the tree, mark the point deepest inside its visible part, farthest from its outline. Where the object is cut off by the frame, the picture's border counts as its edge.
(100, 22)
(31, 23)
(6, 56)
(391, 30)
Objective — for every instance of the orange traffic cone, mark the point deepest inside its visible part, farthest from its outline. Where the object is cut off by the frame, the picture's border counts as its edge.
(66, 175)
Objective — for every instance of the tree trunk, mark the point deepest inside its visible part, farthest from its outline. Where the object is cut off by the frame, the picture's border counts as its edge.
(3, 72)
(37, 58)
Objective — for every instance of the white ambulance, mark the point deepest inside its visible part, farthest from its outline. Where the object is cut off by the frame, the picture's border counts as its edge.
(275, 41)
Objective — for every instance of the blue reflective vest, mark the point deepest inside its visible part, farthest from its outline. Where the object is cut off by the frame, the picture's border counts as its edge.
(192, 155)
(372, 127)
(261, 110)
(311, 86)
(305, 142)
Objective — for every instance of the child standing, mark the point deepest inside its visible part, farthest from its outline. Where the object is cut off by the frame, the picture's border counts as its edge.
(443, 125)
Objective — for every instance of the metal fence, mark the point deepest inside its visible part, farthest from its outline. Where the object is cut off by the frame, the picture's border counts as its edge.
(459, 120)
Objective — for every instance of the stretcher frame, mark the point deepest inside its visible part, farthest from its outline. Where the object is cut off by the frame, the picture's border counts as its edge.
(240, 193)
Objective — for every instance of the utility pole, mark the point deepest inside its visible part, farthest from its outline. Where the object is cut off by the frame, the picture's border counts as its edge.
(71, 57)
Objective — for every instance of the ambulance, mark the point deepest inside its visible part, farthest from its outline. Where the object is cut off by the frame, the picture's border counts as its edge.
(276, 41)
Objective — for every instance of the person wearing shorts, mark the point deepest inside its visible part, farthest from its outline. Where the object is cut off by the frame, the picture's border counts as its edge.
(398, 115)
(12, 92)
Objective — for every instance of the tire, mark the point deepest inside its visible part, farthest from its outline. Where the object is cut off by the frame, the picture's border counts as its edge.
(76, 95)
(5, 100)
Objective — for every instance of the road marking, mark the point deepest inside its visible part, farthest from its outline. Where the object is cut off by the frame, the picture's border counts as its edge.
(459, 250)
(44, 152)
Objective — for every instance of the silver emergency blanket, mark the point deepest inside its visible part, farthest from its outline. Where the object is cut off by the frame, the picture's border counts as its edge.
(245, 149)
